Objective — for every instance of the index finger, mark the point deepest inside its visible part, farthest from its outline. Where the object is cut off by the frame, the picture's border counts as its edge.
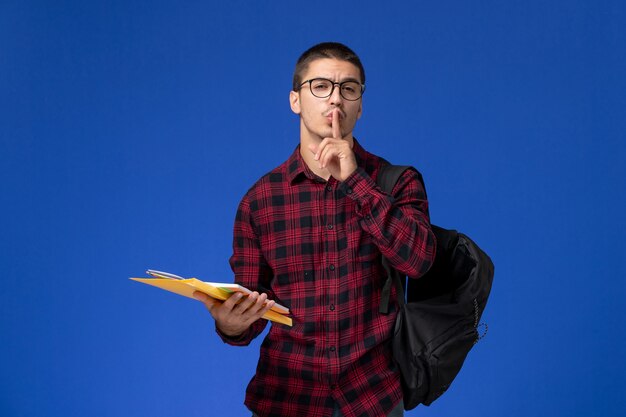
(232, 301)
(335, 124)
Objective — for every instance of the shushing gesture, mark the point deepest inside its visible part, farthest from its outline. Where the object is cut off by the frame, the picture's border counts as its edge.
(335, 154)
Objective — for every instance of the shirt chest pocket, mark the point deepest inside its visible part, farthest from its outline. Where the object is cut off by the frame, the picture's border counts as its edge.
(290, 244)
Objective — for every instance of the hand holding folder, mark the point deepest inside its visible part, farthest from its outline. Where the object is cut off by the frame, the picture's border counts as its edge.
(217, 290)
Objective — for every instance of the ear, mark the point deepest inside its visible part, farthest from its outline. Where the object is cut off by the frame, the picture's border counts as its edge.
(294, 101)
(360, 112)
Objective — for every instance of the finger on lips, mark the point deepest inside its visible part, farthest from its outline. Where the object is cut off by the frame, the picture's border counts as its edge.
(336, 124)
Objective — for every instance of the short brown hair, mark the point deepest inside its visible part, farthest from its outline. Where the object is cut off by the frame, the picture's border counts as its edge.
(325, 50)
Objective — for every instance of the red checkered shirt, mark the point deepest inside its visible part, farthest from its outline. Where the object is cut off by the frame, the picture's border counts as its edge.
(315, 246)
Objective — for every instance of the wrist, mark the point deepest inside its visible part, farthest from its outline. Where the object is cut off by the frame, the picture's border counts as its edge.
(230, 335)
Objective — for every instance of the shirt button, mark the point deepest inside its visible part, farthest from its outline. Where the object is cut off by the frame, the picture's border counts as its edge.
(333, 386)
(368, 217)
(332, 307)
(332, 348)
(329, 188)
(331, 267)
(349, 191)
(329, 227)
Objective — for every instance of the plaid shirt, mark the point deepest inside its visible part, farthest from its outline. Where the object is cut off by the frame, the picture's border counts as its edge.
(315, 247)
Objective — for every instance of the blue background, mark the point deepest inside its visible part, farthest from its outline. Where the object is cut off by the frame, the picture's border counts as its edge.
(129, 131)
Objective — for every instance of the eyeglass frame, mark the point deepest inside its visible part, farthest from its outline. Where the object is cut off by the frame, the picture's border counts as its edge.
(332, 90)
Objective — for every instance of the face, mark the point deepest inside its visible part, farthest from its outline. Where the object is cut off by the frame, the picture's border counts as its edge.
(316, 113)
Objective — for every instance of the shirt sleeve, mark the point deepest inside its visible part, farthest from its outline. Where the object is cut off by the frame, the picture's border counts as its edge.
(397, 223)
(250, 268)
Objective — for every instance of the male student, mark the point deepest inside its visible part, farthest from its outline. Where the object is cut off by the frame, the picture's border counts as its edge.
(310, 234)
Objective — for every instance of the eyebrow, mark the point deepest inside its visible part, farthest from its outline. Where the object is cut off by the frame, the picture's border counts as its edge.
(340, 81)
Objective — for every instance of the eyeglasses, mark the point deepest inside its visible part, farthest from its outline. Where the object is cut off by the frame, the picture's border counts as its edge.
(322, 88)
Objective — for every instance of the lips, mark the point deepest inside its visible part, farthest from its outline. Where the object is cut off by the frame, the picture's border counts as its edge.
(329, 115)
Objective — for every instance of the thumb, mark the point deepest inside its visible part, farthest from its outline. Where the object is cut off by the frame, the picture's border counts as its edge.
(203, 298)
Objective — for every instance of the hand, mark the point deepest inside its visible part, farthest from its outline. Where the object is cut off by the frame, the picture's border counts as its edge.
(234, 316)
(335, 154)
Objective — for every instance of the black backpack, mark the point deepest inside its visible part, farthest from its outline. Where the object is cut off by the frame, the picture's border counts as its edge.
(438, 324)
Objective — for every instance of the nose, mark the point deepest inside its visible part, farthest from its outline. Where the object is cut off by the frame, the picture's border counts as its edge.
(335, 95)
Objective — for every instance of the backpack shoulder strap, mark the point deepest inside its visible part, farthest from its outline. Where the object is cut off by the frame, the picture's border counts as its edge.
(389, 175)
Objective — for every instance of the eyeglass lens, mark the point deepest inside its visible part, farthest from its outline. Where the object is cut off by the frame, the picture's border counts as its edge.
(322, 88)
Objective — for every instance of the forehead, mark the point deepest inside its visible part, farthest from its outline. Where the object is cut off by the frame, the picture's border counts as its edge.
(333, 69)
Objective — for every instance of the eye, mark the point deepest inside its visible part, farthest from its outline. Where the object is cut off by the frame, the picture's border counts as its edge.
(320, 85)
(349, 88)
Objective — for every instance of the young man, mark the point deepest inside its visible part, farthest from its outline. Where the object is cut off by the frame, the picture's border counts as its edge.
(310, 234)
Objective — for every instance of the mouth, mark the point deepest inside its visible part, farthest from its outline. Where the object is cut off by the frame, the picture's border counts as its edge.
(329, 115)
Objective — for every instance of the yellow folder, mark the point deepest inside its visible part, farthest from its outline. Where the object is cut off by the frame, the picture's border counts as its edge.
(219, 291)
